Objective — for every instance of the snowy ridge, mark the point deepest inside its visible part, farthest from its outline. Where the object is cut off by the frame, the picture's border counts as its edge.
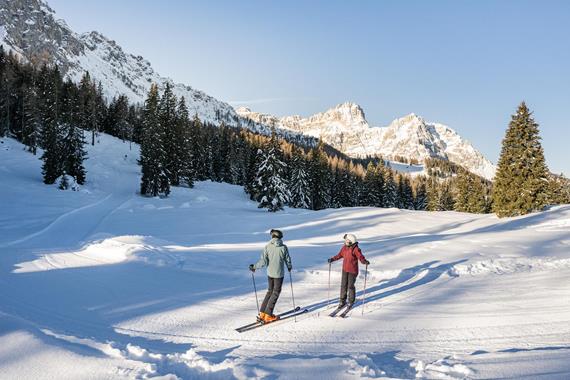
(345, 128)
(30, 27)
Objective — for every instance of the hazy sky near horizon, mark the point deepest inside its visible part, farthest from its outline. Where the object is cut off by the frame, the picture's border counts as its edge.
(467, 64)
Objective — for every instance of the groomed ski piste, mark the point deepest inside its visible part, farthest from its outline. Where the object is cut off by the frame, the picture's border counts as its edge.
(101, 283)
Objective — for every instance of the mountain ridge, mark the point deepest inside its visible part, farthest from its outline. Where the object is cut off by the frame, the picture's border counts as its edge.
(30, 28)
(345, 128)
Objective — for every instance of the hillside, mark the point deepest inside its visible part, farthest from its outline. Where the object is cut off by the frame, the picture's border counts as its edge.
(102, 283)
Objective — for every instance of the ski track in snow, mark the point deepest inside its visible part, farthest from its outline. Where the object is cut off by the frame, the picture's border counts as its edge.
(134, 287)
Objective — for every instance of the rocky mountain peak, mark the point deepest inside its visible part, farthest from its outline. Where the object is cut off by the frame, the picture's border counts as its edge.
(348, 113)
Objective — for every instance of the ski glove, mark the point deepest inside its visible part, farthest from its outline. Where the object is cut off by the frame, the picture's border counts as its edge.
(330, 260)
(251, 267)
(289, 269)
(366, 262)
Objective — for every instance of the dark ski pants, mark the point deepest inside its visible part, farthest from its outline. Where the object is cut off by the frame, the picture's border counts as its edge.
(273, 291)
(347, 285)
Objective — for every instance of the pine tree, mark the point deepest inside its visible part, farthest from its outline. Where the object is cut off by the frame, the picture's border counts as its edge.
(477, 198)
(271, 177)
(220, 161)
(31, 123)
(432, 193)
(154, 180)
(72, 140)
(299, 180)
(185, 145)
(463, 192)
(200, 154)
(73, 148)
(373, 186)
(88, 103)
(390, 189)
(445, 202)
(521, 181)
(319, 178)
(167, 121)
(252, 186)
(408, 195)
(420, 198)
(51, 136)
(238, 160)
(6, 90)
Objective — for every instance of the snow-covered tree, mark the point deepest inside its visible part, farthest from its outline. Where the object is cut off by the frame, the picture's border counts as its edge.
(154, 179)
(319, 178)
(270, 178)
(299, 184)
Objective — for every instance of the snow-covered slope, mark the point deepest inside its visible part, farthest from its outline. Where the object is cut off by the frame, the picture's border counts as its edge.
(345, 128)
(102, 283)
(30, 28)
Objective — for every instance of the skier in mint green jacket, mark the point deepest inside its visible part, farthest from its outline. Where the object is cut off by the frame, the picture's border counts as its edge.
(275, 257)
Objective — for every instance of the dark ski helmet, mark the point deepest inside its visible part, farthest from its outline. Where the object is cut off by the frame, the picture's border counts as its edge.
(276, 234)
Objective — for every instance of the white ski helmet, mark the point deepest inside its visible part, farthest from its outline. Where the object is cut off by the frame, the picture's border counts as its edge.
(351, 238)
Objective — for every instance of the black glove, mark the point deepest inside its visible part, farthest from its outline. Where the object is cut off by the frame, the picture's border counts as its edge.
(330, 260)
(366, 262)
(252, 267)
(289, 269)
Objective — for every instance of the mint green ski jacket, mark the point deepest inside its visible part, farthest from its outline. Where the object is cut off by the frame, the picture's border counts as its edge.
(275, 256)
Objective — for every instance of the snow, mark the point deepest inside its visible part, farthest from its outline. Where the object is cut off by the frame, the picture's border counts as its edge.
(102, 283)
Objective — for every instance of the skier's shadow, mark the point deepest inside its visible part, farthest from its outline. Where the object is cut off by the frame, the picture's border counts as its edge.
(375, 293)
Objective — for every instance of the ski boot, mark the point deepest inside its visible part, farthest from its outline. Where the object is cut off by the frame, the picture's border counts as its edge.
(270, 318)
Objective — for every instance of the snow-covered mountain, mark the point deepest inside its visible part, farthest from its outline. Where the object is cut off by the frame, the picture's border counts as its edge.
(31, 28)
(345, 128)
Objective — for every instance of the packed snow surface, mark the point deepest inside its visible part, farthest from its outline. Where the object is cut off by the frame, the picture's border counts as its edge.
(101, 283)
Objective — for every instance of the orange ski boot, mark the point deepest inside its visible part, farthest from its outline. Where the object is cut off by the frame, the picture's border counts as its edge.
(271, 318)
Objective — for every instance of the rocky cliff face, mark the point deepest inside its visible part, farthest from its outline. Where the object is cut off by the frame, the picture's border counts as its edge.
(345, 128)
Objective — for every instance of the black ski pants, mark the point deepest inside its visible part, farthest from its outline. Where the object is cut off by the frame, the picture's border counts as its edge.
(347, 286)
(273, 290)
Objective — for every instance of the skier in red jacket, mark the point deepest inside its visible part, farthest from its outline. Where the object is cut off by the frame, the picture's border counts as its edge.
(351, 254)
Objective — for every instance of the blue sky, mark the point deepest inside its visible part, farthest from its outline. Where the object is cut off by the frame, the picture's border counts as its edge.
(467, 64)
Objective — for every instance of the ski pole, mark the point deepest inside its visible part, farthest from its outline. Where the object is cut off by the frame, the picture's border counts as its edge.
(329, 290)
(292, 296)
(255, 289)
(364, 293)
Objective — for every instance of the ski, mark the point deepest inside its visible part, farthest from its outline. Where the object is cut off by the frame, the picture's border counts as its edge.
(345, 313)
(258, 322)
(282, 317)
(336, 311)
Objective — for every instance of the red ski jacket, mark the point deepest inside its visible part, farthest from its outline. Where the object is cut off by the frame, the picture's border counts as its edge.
(350, 256)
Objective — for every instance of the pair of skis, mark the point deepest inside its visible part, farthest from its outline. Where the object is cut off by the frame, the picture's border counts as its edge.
(344, 314)
(286, 315)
